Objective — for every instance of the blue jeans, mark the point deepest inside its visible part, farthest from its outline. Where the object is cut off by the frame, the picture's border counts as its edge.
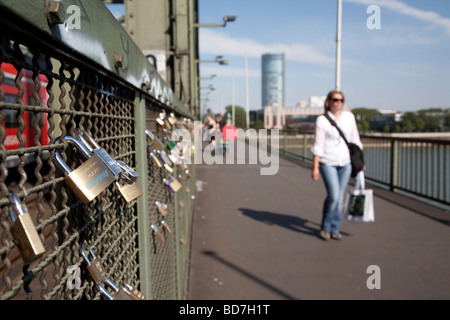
(336, 180)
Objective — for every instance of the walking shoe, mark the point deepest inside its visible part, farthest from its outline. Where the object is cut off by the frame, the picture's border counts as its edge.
(325, 235)
(336, 236)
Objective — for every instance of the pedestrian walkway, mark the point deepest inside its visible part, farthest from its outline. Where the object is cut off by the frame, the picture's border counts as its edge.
(257, 238)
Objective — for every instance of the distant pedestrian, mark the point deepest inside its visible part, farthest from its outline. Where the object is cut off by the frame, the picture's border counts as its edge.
(331, 160)
(220, 121)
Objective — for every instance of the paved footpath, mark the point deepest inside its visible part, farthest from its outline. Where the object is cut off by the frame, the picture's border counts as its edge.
(256, 237)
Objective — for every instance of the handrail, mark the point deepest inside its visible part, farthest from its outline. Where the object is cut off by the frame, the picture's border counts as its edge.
(417, 166)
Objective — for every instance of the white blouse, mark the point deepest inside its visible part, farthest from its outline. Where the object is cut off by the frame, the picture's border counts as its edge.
(328, 143)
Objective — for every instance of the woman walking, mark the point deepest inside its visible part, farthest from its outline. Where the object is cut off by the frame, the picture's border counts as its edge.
(331, 160)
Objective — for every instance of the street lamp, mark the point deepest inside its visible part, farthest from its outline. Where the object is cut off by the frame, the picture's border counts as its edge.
(225, 20)
(218, 59)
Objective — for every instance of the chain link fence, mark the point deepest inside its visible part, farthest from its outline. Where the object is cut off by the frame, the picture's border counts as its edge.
(48, 92)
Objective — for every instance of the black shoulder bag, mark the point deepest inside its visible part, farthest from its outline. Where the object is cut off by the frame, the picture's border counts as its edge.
(356, 154)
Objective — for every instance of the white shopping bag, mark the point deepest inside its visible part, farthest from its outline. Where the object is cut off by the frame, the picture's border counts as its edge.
(359, 203)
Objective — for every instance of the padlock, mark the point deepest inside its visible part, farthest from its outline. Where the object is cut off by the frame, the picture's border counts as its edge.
(118, 167)
(163, 208)
(90, 178)
(119, 292)
(24, 231)
(129, 192)
(173, 183)
(166, 226)
(94, 148)
(134, 293)
(162, 121)
(156, 142)
(155, 159)
(94, 266)
(157, 233)
(166, 160)
(172, 118)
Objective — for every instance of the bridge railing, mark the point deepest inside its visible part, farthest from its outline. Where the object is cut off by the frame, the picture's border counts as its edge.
(419, 167)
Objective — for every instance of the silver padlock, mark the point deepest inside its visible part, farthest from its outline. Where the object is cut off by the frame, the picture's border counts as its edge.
(24, 231)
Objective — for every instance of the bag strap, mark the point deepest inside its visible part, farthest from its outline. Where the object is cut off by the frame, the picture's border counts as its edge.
(360, 183)
(334, 124)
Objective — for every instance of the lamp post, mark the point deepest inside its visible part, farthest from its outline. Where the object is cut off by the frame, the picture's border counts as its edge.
(338, 46)
(192, 45)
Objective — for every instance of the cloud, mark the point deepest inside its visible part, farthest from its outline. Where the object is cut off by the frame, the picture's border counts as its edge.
(405, 9)
(216, 43)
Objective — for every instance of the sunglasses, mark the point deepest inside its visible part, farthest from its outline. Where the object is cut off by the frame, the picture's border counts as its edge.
(336, 100)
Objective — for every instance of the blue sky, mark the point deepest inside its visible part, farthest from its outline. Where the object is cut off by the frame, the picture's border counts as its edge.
(404, 66)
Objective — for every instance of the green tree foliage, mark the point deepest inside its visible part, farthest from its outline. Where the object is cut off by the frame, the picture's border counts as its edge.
(240, 116)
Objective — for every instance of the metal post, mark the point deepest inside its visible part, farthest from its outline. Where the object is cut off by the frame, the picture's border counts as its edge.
(394, 165)
(338, 46)
(142, 202)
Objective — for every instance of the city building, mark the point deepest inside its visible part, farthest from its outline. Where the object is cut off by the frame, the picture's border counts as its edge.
(272, 79)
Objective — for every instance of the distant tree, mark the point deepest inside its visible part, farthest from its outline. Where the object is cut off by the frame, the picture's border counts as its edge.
(420, 124)
(240, 116)
(362, 116)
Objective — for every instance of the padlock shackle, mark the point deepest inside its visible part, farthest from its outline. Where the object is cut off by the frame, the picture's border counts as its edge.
(79, 145)
(75, 142)
(16, 207)
(127, 174)
(91, 140)
(85, 256)
(80, 137)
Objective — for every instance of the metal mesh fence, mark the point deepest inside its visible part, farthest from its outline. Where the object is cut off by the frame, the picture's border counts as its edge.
(45, 96)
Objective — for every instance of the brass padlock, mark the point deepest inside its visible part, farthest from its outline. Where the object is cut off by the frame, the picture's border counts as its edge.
(156, 142)
(118, 294)
(90, 178)
(157, 233)
(24, 231)
(166, 160)
(155, 159)
(162, 121)
(124, 292)
(166, 226)
(172, 118)
(172, 184)
(129, 192)
(94, 266)
(94, 148)
(134, 293)
(163, 208)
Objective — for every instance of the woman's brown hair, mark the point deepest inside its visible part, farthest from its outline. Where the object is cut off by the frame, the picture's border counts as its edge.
(330, 95)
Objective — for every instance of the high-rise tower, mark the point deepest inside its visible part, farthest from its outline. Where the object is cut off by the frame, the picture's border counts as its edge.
(272, 79)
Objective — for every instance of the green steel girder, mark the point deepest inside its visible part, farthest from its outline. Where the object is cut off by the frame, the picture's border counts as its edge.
(98, 37)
